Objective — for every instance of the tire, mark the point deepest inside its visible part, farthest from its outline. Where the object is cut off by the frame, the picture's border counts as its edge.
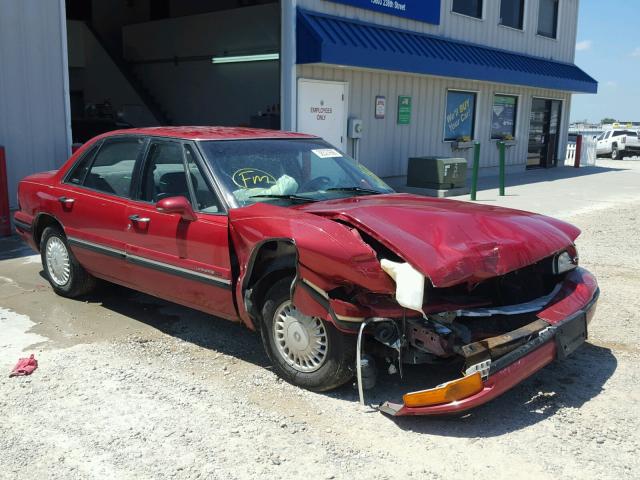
(72, 281)
(615, 153)
(335, 362)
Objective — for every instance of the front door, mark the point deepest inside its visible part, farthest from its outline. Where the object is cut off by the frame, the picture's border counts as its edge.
(602, 144)
(544, 128)
(322, 110)
(185, 261)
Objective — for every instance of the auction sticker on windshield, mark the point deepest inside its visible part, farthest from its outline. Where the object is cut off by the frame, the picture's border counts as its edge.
(326, 153)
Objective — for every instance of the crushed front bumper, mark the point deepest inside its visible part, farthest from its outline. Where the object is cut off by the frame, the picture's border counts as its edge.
(568, 316)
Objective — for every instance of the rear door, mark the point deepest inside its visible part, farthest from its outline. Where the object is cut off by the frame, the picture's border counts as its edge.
(91, 204)
(183, 261)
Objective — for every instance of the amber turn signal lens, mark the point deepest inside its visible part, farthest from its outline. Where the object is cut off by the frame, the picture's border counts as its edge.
(447, 392)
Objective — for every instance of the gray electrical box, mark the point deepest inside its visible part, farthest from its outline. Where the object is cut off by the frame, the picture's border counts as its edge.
(437, 172)
(355, 128)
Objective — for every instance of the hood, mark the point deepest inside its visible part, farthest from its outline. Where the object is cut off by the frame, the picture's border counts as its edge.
(450, 241)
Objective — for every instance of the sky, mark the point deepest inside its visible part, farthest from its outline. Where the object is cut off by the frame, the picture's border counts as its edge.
(608, 49)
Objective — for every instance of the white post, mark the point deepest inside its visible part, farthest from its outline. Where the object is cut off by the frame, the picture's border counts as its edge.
(288, 85)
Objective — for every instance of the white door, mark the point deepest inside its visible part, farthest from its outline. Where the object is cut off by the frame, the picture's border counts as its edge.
(603, 145)
(322, 110)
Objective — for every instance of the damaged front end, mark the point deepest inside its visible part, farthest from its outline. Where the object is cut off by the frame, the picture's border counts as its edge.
(495, 333)
(494, 301)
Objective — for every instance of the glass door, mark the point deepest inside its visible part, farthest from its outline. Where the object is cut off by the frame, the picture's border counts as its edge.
(544, 128)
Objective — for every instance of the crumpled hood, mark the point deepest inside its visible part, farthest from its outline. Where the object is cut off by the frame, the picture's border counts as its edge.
(450, 241)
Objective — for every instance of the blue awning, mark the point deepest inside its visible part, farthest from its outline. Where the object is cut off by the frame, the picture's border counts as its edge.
(333, 40)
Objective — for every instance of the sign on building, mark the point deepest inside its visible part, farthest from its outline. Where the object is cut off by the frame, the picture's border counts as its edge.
(427, 11)
(404, 110)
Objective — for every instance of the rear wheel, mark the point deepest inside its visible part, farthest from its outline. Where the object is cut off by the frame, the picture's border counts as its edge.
(65, 274)
(305, 351)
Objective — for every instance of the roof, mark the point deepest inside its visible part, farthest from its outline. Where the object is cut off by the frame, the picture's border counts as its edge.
(210, 133)
(334, 40)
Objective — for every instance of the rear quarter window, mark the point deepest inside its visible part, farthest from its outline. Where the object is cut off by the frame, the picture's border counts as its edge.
(79, 170)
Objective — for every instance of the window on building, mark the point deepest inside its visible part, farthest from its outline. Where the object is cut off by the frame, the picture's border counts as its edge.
(548, 18)
(512, 13)
(112, 168)
(472, 8)
(503, 117)
(459, 118)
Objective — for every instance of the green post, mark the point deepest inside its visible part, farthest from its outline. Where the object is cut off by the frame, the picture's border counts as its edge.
(501, 147)
(476, 165)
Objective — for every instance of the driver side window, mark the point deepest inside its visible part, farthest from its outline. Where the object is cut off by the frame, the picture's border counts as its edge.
(164, 176)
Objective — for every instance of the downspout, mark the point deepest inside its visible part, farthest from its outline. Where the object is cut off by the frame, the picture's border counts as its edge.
(288, 84)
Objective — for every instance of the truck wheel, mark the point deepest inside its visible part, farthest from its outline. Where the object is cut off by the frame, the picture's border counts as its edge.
(305, 351)
(615, 153)
(65, 274)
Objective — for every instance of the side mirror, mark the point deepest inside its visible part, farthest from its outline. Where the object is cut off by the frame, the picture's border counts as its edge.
(179, 205)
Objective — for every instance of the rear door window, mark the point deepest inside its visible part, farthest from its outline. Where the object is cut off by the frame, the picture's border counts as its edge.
(619, 133)
(112, 168)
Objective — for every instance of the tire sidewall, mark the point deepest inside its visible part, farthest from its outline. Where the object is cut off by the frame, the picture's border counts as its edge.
(335, 370)
(68, 287)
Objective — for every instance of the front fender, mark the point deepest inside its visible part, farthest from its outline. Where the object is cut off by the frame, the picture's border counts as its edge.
(334, 252)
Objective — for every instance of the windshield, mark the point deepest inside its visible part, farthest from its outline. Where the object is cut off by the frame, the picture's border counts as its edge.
(287, 171)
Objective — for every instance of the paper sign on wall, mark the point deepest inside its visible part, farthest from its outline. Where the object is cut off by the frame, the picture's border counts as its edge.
(381, 107)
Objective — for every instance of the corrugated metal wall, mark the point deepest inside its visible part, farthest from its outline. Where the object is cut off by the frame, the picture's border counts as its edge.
(34, 118)
(484, 32)
(386, 146)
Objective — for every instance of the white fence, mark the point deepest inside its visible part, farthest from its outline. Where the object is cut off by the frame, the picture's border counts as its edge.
(587, 154)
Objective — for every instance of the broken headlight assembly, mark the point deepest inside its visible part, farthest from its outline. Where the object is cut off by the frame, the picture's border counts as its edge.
(565, 261)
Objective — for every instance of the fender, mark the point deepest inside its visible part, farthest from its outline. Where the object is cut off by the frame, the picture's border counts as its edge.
(333, 251)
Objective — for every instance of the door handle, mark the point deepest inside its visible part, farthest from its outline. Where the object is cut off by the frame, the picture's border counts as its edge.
(66, 201)
(138, 219)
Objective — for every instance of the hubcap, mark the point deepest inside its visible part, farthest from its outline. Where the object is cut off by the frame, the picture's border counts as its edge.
(301, 340)
(58, 263)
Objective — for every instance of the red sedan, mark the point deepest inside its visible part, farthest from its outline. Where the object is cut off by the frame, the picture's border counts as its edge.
(284, 233)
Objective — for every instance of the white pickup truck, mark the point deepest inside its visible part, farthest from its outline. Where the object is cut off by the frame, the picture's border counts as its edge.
(618, 143)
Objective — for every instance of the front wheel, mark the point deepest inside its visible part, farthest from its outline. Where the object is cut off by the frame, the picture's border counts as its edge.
(616, 154)
(305, 351)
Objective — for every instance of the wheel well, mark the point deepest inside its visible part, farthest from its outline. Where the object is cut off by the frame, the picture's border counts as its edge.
(273, 260)
(43, 221)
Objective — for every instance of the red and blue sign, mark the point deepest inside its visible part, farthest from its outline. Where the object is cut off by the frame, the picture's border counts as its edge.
(427, 11)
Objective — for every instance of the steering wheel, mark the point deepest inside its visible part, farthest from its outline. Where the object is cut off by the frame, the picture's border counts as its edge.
(317, 183)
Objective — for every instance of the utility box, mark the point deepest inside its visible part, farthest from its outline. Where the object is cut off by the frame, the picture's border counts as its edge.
(439, 173)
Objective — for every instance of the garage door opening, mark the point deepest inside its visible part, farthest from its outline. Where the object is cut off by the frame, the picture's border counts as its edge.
(137, 63)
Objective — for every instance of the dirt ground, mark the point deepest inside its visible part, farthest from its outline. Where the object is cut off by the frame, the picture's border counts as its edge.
(133, 387)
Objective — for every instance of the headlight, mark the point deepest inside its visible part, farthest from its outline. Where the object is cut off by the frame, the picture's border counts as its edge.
(564, 261)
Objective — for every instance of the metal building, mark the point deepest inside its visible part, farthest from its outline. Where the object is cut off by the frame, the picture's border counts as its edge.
(419, 77)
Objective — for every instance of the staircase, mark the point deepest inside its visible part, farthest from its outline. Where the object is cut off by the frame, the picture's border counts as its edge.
(156, 109)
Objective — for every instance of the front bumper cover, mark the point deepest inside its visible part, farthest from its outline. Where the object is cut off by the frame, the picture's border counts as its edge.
(557, 341)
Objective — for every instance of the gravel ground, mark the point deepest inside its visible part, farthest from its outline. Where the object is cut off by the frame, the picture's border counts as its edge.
(133, 387)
